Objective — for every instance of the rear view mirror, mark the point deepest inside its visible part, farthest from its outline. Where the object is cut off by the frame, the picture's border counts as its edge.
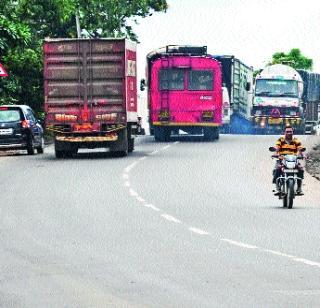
(142, 84)
(272, 149)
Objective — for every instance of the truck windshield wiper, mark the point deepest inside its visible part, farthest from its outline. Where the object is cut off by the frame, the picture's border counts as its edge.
(262, 93)
(290, 94)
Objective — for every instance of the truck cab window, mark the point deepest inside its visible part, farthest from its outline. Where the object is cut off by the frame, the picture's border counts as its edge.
(200, 80)
(171, 79)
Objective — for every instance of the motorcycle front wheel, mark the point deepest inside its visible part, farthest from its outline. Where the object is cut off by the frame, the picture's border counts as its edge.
(290, 193)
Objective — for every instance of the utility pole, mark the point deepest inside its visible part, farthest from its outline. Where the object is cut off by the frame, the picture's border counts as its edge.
(78, 25)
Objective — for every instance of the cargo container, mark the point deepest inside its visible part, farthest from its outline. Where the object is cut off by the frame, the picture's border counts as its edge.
(237, 77)
(184, 92)
(91, 94)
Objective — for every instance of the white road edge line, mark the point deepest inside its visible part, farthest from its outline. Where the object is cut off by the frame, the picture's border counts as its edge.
(166, 147)
(171, 218)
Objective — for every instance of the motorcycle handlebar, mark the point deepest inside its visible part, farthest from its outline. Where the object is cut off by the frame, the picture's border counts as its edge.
(281, 156)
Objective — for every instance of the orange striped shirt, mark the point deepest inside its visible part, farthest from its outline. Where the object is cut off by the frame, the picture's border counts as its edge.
(288, 147)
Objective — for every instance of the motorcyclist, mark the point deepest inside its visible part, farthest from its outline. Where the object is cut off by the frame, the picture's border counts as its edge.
(287, 145)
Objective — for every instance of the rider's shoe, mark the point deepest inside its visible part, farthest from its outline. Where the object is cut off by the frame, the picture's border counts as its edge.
(299, 192)
(277, 192)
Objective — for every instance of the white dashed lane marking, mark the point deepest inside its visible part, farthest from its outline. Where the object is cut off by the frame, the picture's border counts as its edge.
(243, 245)
(152, 207)
(198, 231)
(171, 218)
(144, 203)
(274, 252)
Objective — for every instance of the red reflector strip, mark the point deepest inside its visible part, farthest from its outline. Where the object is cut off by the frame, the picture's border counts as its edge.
(83, 127)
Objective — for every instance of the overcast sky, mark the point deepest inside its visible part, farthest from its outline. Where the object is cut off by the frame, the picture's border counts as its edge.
(252, 30)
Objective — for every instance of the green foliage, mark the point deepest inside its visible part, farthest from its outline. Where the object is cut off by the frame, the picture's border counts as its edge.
(13, 31)
(25, 23)
(294, 59)
(256, 72)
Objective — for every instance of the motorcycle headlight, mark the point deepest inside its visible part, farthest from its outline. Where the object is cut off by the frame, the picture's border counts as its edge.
(290, 164)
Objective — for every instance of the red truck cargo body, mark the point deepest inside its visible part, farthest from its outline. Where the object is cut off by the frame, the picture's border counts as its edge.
(90, 90)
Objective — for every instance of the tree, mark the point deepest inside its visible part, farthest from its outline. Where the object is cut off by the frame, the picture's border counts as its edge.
(25, 23)
(109, 18)
(293, 58)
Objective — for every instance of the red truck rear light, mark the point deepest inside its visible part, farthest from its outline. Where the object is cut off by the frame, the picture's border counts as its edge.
(3, 108)
(85, 115)
(83, 127)
(25, 124)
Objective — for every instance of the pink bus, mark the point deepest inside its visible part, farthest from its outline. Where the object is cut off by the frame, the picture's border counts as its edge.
(185, 92)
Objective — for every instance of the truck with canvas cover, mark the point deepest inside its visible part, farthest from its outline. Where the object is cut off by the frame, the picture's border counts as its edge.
(311, 99)
(90, 94)
(278, 100)
(184, 92)
(237, 77)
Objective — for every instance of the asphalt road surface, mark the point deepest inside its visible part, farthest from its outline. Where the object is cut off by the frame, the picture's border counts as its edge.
(179, 224)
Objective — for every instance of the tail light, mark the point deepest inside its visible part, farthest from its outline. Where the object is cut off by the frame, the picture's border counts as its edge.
(85, 114)
(25, 124)
(83, 127)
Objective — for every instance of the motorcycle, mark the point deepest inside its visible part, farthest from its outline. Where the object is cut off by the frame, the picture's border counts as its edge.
(287, 182)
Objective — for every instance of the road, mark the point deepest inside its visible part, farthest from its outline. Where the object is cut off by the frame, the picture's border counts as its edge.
(179, 224)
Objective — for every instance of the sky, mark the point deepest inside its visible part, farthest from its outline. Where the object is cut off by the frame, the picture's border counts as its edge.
(252, 30)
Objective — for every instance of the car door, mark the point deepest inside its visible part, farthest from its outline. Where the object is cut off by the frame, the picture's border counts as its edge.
(35, 126)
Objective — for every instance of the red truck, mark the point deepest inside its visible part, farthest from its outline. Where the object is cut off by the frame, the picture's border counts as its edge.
(90, 93)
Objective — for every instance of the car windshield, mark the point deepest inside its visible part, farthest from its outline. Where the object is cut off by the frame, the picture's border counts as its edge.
(276, 88)
(9, 116)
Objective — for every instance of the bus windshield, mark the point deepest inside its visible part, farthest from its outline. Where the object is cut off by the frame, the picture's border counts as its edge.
(276, 88)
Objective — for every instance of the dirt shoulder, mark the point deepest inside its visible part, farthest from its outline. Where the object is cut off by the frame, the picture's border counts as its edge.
(313, 162)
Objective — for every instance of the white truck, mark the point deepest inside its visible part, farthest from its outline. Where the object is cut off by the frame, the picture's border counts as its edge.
(277, 100)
